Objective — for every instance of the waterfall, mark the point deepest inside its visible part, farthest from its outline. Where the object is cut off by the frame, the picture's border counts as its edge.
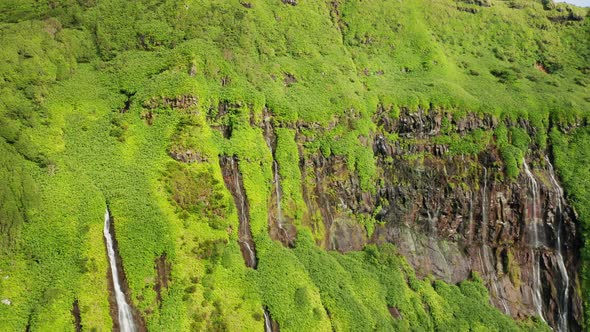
(250, 251)
(267, 322)
(537, 298)
(126, 323)
(563, 301)
(245, 236)
(269, 137)
(486, 267)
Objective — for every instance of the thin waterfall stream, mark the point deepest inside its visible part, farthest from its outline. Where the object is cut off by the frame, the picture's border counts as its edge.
(564, 299)
(537, 298)
(278, 230)
(267, 321)
(232, 178)
(244, 229)
(233, 182)
(126, 323)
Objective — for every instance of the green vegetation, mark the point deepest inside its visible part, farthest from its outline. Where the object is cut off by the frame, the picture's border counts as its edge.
(287, 156)
(92, 106)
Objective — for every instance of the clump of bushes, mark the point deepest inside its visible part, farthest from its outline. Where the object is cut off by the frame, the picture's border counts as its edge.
(197, 193)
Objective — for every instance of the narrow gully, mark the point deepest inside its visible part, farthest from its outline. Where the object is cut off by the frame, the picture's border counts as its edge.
(126, 322)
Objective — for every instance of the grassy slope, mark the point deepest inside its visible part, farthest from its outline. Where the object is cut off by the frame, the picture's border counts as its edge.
(66, 150)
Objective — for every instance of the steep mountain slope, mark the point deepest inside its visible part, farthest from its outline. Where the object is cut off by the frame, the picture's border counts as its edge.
(295, 165)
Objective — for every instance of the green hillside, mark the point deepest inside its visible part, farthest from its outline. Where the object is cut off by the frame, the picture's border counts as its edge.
(95, 94)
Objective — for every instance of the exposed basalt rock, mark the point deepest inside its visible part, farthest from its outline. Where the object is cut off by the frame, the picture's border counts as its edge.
(453, 215)
(163, 270)
(428, 123)
(289, 79)
(178, 102)
(76, 314)
(233, 182)
(333, 196)
(470, 10)
(280, 225)
(127, 105)
(336, 14)
(481, 3)
(218, 117)
(270, 325)
(570, 16)
(188, 156)
(394, 312)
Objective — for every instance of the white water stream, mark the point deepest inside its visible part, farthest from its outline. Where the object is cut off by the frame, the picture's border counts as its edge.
(537, 298)
(244, 231)
(562, 324)
(126, 323)
(267, 322)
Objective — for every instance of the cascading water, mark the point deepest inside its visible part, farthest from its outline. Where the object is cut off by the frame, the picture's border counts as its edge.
(267, 322)
(245, 237)
(250, 252)
(563, 301)
(269, 137)
(126, 323)
(231, 176)
(487, 267)
(537, 298)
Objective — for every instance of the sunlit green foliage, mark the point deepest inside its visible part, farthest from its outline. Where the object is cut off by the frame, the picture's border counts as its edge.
(88, 120)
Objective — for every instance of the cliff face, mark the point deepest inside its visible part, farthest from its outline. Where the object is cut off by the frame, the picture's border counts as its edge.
(452, 215)
(169, 109)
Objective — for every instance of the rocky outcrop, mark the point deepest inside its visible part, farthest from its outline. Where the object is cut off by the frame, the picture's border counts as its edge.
(280, 226)
(163, 273)
(455, 215)
(233, 182)
(178, 102)
(187, 155)
(76, 314)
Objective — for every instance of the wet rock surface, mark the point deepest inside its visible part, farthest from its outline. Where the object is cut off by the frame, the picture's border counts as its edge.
(233, 181)
(453, 215)
(138, 319)
(280, 226)
(163, 273)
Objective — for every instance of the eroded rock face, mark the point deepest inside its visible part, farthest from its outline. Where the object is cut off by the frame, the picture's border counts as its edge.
(233, 181)
(454, 215)
(280, 226)
(450, 229)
